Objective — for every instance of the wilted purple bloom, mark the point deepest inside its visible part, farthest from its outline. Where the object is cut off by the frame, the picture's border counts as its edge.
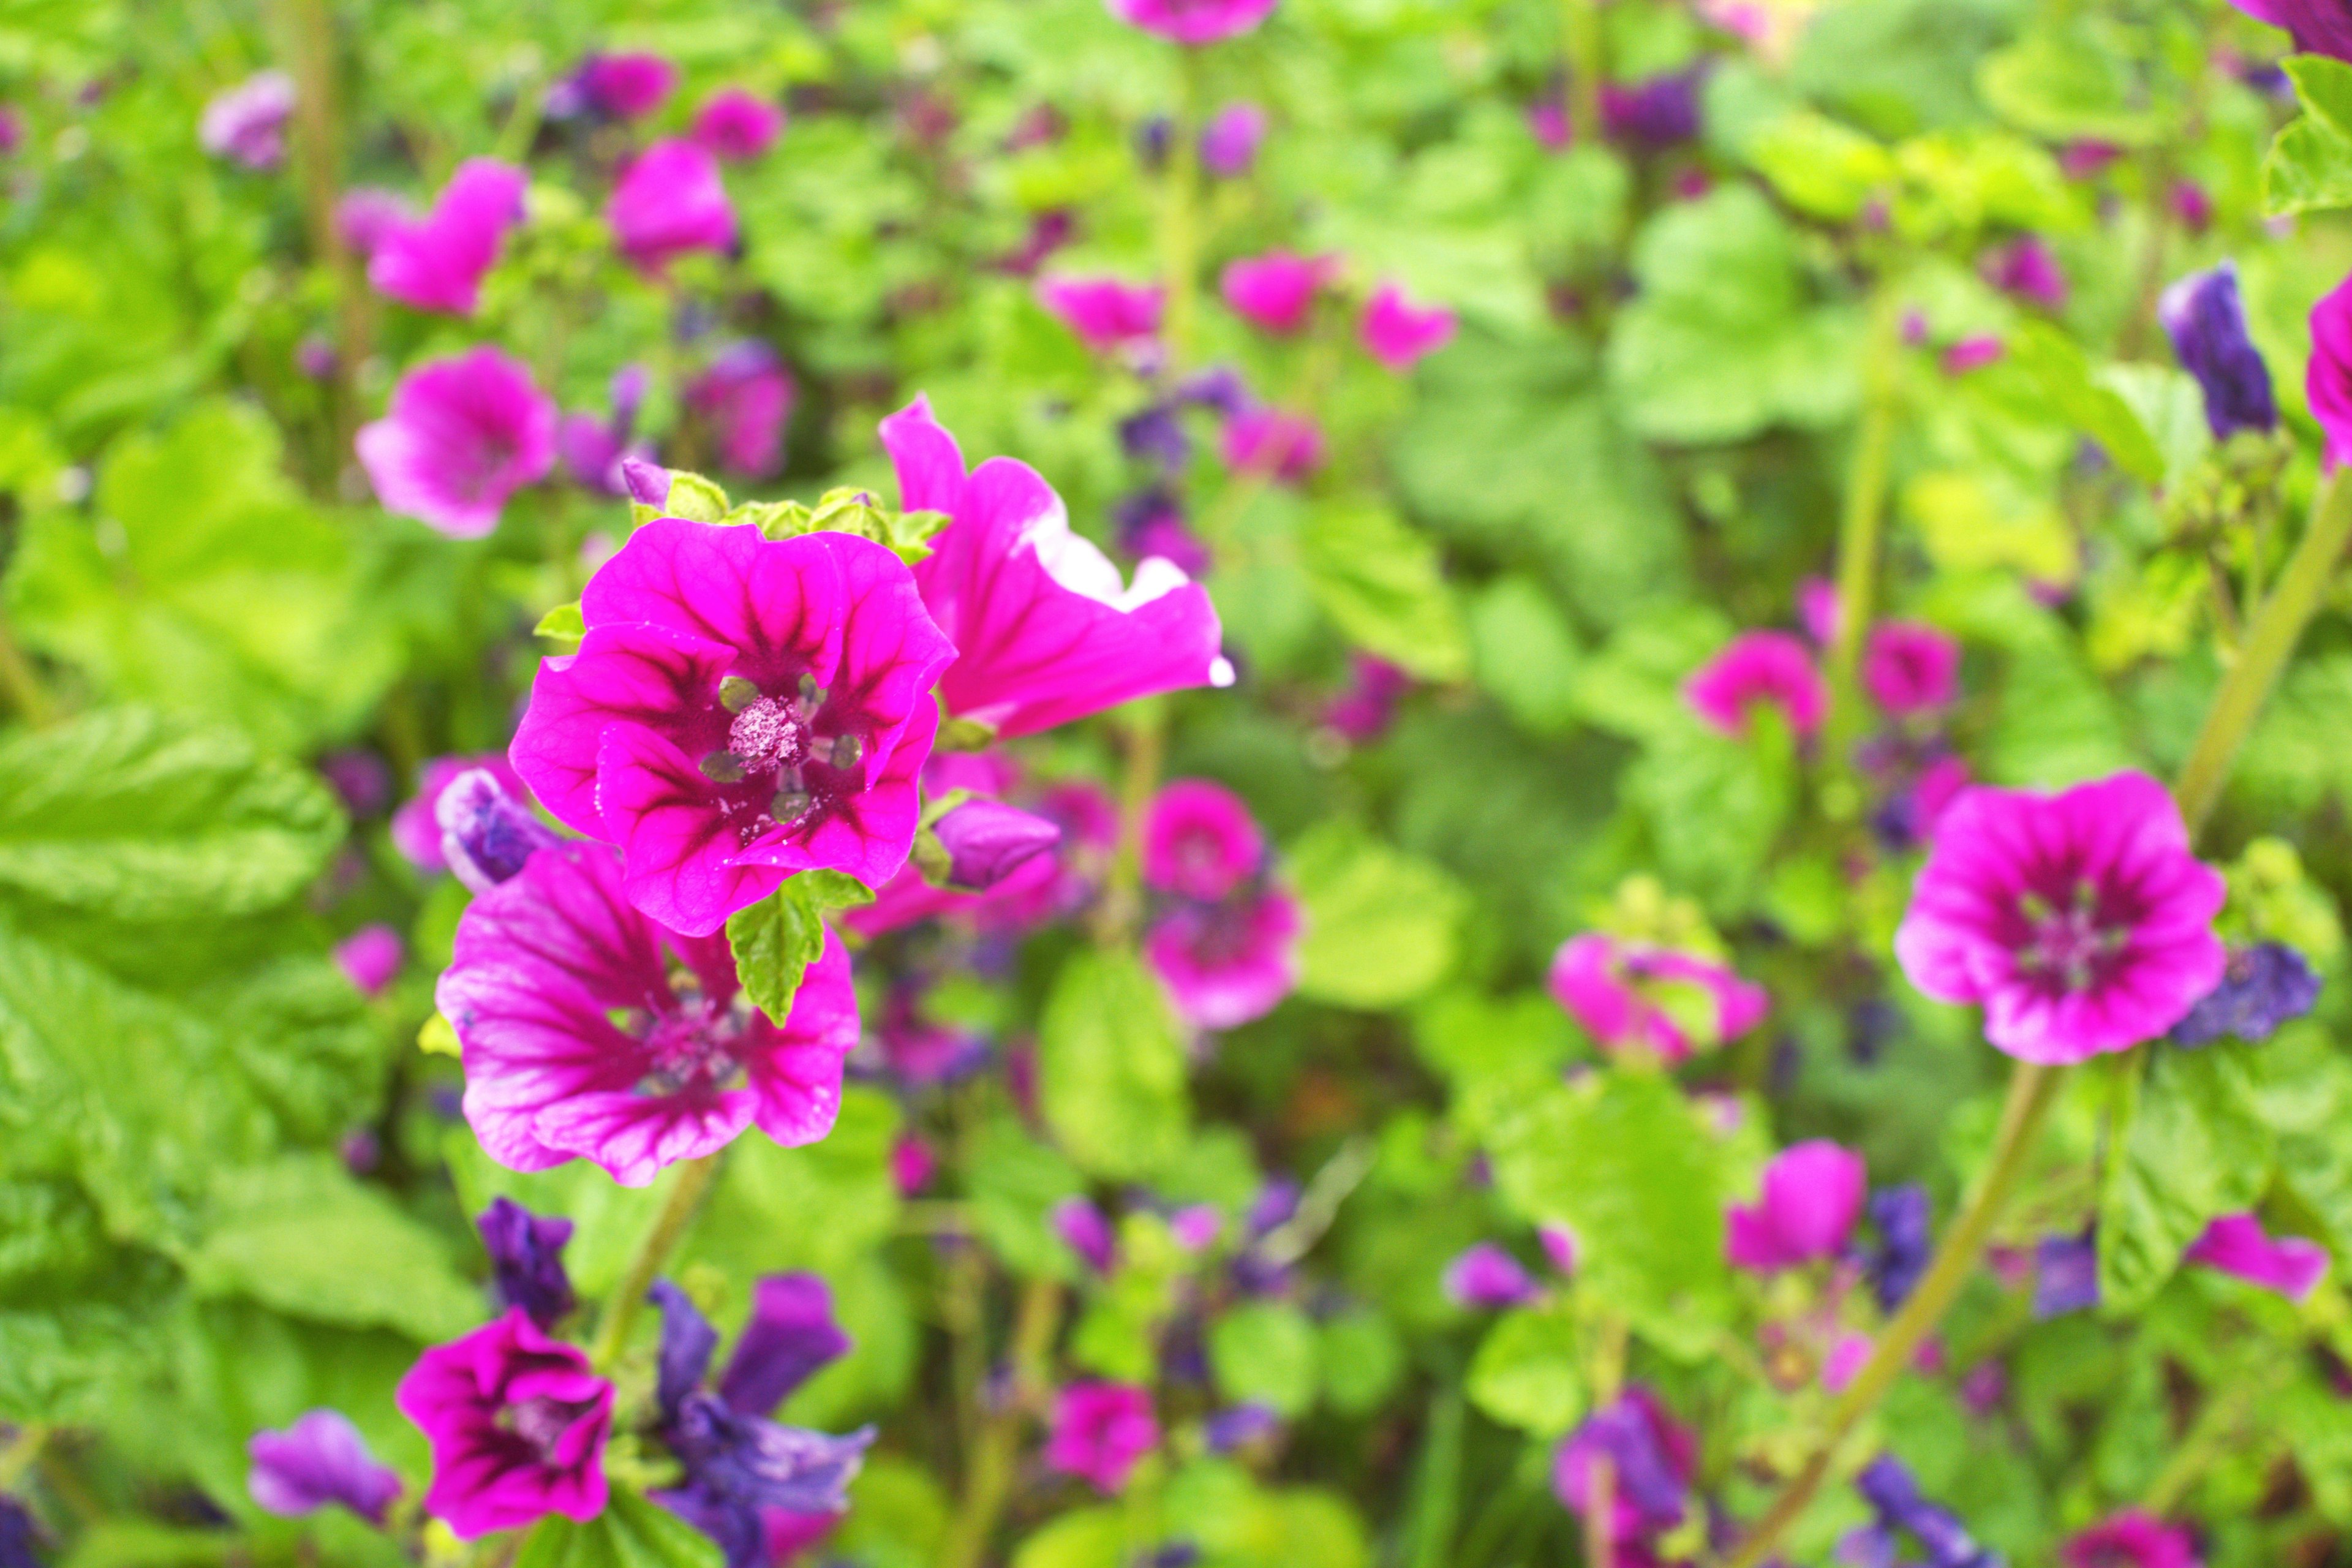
(320, 1460)
(987, 841)
(668, 201)
(2065, 1273)
(626, 87)
(436, 262)
(2263, 986)
(745, 395)
(736, 124)
(2027, 269)
(1658, 112)
(1487, 1276)
(1082, 1226)
(2208, 327)
(247, 124)
(1155, 435)
(462, 434)
(1231, 1428)
(1229, 142)
(2237, 1244)
(370, 957)
(1902, 1216)
(527, 1259)
(2319, 26)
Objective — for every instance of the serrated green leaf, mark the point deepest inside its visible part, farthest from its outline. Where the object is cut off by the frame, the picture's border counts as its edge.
(2099, 412)
(1379, 925)
(777, 939)
(691, 497)
(2307, 169)
(1382, 582)
(2196, 1146)
(1110, 1068)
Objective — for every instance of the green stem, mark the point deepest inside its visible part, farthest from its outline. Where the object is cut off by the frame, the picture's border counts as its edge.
(23, 682)
(1601, 1475)
(2270, 642)
(2216, 1425)
(308, 45)
(23, 1451)
(1863, 524)
(1144, 728)
(1180, 239)
(1581, 42)
(661, 1238)
(996, 1457)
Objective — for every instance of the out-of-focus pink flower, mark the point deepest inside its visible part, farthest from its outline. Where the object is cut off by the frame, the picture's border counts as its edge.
(1817, 610)
(1486, 1277)
(1758, 666)
(366, 216)
(1547, 121)
(2327, 382)
(734, 123)
(247, 124)
(1847, 1357)
(416, 826)
(626, 87)
(746, 396)
(518, 1424)
(1277, 291)
(1229, 142)
(1082, 1226)
(1655, 998)
(920, 1050)
(1196, 1226)
(2131, 1539)
(912, 1164)
(436, 262)
(370, 957)
(1971, 353)
(988, 841)
(1363, 712)
(1399, 334)
(2080, 922)
(12, 129)
(1652, 1459)
(2086, 160)
(1910, 668)
(1225, 963)
(1559, 1245)
(791, 1533)
(1108, 314)
(1939, 783)
(2191, 205)
(2318, 26)
(462, 434)
(359, 778)
(1198, 840)
(2026, 268)
(1812, 1197)
(668, 201)
(1193, 21)
(1100, 1431)
(1275, 442)
(2237, 1244)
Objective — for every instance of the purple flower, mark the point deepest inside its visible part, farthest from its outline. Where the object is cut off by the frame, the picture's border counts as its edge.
(2237, 1244)
(1650, 997)
(578, 1041)
(912, 1164)
(370, 957)
(1902, 1218)
(736, 124)
(1108, 314)
(1155, 435)
(367, 216)
(1485, 1276)
(1817, 610)
(2263, 986)
(2026, 268)
(527, 1261)
(1652, 1459)
(463, 434)
(1238, 1425)
(1229, 142)
(791, 1334)
(1219, 388)
(1226, 963)
(2319, 26)
(1911, 668)
(1277, 291)
(746, 396)
(1082, 1227)
(436, 262)
(1193, 21)
(1363, 712)
(517, 1422)
(320, 1460)
(2327, 380)
(1971, 353)
(2132, 1538)
(1198, 840)
(594, 448)
(1044, 630)
(2208, 327)
(987, 841)
(1758, 666)
(1399, 334)
(2065, 1273)
(668, 201)
(1812, 1197)
(1274, 442)
(740, 708)
(1893, 1493)
(247, 124)
(416, 829)
(358, 779)
(20, 1535)
(2080, 922)
(1558, 1243)
(1099, 1431)
(2191, 204)
(1658, 112)
(626, 87)
(487, 835)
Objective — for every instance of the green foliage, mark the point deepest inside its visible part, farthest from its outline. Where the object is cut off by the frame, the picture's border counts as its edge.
(1110, 1068)
(2310, 165)
(775, 939)
(2192, 1144)
(1265, 1351)
(1380, 926)
(1380, 581)
(1526, 1372)
(630, 1533)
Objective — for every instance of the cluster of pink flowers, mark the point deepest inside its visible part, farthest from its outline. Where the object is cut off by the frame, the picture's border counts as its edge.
(1226, 947)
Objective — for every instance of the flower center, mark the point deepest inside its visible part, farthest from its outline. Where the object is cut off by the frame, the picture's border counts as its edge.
(543, 1422)
(770, 733)
(692, 1048)
(2067, 946)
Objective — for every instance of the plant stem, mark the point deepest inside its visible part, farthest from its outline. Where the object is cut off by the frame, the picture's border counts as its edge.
(2031, 1088)
(661, 1238)
(2270, 642)
(1180, 239)
(23, 1451)
(23, 682)
(996, 1455)
(1862, 525)
(1601, 1477)
(1581, 42)
(1144, 730)
(308, 45)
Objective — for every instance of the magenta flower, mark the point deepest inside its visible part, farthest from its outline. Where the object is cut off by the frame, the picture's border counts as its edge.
(626, 87)
(1044, 632)
(668, 201)
(1364, 710)
(2327, 381)
(1198, 840)
(1971, 353)
(1277, 291)
(736, 124)
(2237, 1244)
(2080, 922)
(1652, 1459)
(1108, 314)
(988, 841)
(2319, 26)
(578, 1041)
(1085, 1232)
(912, 1164)
(740, 708)
(745, 396)
(1399, 334)
(320, 1460)
(1193, 21)
(2132, 1538)
(370, 957)
(416, 829)
(1758, 666)
(2026, 268)
(1099, 1431)
(1549, 123)
(1812, 1197)
(517, 1422)
(1229, 142)
(1226, 963)
(1910, 668)
(1654, 998)
(1485, 1276)
(1275, 442)
(367, 216)
(1046, 887)
(247, 124)
(436, 262)
(463, 434)
(1559, 1244)
(1817, 610)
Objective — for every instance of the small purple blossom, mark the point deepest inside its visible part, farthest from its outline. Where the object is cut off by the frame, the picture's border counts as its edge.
(2238, 1245)
(1559, 1244)
(437, 262)
(1617, 993)
(1238, 1425)
(1194, 22)
(1229, 140)
(1155, 435)
(367, 216)
(1226, 963)
(2202, 315)
(1282, 446)
(359, 778)
(912, 1164)
(1812, 1197)
(20, 1535)
(1082, 1226)
(517, 1422)
(1909, 669)
(987, 841)
(1200, 840)
(1275, 292)
(370, 957)
(416, 829)
(527, 1261)
(736, 124)
(247, 124)
(667, 202)
(1399, 334)
(463, 434)
(321, 1459)
(1972, 353)
(1904, 1219)
(1485, 1276)
(2065, 1273)
(2026, 268)
(2262, 987)
(1109, 315)
(1658, 112)
(1893, 1494)
(626, 87)
(746, 396)
(1652, 1459)
(1755, 667)
(1099, 1432)
(487, 835)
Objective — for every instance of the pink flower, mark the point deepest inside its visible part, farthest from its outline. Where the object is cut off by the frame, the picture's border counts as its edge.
(2026, 268)
(1656, 998)
(1971, 353)
(2327, 382)
(2080, 922)
(1276, 291)
(1559, 1244)
(740, 708)
(790, 1533)
(734, 123)
(1099, 1431)
(1046, 887)
(1399, 334)
(1758, 666)
(746, 398)
(436, 262)
(1847, 1357)
(416, 826)
(517, 1422)
(1193, 21)
(247, 124)
(627, 87)
(1200, 841)
(370, 957)
(912, 1164)
(2237, 1244)
(367, 216)
(1363, 712)
(2318, 26)
(668, 201)
(578, 1041)
(1107, 314)
(1045, 631)
(1272, 441)
(1485, 1276)
(1226, 963)
(1653, 1458)
(1812, 1197)
(1229, 142)
(1817, 609)
(1549, 123)
(1911, 668)
(462, 434)
(2130, 1539)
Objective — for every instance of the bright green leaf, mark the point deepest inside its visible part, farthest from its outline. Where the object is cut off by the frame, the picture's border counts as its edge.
(1110, 1068)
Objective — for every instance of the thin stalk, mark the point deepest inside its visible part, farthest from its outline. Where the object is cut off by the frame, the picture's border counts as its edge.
(661, 1238)
(1581, 42)
(989, 1484)
(2225, 1412)
(23, 682)
(23, 1451)
(1144, 731)
(308, 44)
(1180, 208)
(1863, 524)
(1600, 1476)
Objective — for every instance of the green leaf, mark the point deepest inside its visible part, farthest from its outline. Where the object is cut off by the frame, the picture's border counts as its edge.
(1083, 1538)
(1382, 582)
(1110, 1068)
(631, 1532)
(2309, 168)
(1016, 1180)
(1525, 654)
(2099, 412)
(1820, 166)
(2063, 83)
(2196, 1147)
(1716, 803)
(1266, 1352)
(691, 497)
(562, 627)
(776, 939)
(1381, 924)
(1526, 1372)
(2306, 1098)
(1362, 1359)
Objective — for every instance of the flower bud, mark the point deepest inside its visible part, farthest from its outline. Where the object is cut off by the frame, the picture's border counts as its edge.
(987, 841)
